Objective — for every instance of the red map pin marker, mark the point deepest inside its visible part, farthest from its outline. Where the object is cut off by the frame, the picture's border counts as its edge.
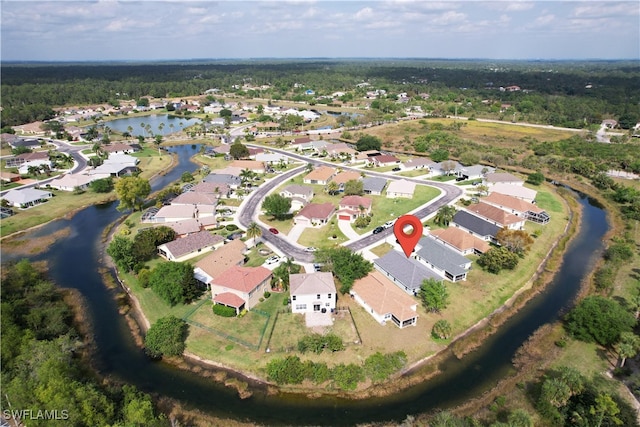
(408, 241)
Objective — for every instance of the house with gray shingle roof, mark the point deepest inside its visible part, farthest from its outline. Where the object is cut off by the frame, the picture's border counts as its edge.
(406, 273)
(190, 246)
(373, 185)
(476, 226)
(231, 180)
(442, 260)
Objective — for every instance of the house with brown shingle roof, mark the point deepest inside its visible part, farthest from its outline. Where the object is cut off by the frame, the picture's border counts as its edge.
(350, 207)
(311, 292)
(419, 163)
(384, 301)
(321, 175)
(118, 148)
(240, 287)
(215, 188)
(252, 165)
(190, 246)
(496, 216)
(518, 207)
(315, 214)
(383, 160)
(195, 198)
(303, 143)
(221, 259)
(461, 241)
(336, 150)
(345, 176)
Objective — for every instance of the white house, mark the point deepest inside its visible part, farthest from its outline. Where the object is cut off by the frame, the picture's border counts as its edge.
(70, 182)
(27, 197)
(401, 188)
(312, 292)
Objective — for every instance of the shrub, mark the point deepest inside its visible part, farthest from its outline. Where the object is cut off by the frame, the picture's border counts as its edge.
(223, 310)
(441, 329)
(267, 294)
(166, 337)
(231, 227)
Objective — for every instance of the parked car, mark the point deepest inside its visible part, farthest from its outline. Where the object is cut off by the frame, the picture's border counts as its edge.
(273, 260)
(310, 249)
(274, 230)
(396, 169)
(378, 230)
(317, 267)
(389, 224)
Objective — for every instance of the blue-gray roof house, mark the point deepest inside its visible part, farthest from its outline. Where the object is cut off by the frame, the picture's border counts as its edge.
(407, 273)
(476, 226)
(373, 185)
(444, 261)
(231, 180)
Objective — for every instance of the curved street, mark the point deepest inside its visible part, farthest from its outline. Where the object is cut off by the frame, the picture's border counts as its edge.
(249, 209)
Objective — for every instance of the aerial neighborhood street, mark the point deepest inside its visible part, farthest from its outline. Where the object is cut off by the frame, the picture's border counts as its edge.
(325, 242)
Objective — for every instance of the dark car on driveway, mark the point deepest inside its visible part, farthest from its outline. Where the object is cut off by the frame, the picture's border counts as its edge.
(378, 230)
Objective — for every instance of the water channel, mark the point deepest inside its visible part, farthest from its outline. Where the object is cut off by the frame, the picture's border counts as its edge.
(74, 263)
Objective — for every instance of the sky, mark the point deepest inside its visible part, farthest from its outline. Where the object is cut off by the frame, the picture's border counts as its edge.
(59, 30)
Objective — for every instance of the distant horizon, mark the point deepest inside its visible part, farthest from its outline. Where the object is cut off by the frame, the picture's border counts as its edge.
(318, 58)
(157, 31)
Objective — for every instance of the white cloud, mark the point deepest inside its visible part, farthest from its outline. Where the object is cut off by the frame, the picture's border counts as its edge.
(541, 21)
(599, 10)
(364, 14)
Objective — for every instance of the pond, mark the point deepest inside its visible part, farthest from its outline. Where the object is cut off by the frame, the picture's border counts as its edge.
(159, 124)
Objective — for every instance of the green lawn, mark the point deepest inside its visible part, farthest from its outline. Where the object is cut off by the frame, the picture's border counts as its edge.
(382, 249)
(383, 208)
(61, 204)
(546, 201)
(323, 237)
(414, 173)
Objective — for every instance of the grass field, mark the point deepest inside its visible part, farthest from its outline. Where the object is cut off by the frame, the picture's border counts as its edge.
(486, 133)
(61, 204)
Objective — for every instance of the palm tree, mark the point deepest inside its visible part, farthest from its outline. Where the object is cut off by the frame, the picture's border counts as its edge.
(161, 127)
(332, 188)
(246, 175)
(130, 129)
(254, 232)
(445, 215)
(144, 128)
(33, 170)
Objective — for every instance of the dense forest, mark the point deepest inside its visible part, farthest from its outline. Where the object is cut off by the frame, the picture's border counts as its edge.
(573, 94)
(44, 379)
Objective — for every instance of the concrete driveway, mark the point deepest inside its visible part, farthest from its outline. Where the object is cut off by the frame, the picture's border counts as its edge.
(295, 232)
(347, 230)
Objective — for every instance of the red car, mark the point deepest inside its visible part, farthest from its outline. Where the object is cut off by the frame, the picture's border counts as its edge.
(274, 231)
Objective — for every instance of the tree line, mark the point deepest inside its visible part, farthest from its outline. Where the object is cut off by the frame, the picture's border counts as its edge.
(41, 364)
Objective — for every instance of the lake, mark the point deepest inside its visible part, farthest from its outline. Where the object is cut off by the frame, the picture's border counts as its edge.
(161, 124)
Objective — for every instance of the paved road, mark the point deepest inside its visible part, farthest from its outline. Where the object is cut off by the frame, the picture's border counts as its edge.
(249, 209)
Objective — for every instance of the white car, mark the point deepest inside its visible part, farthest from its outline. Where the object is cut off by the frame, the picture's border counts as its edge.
(389, 224)
(273, 260)
(310, 249)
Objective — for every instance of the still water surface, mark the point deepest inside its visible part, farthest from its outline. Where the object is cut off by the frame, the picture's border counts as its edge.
(160, 124)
